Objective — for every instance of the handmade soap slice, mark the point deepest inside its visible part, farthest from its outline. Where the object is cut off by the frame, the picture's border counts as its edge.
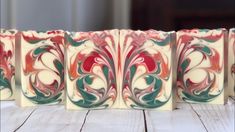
(146, 69)
(231, 63)
(91, 68)
(7, 64)
(200, 71)
(42, 71)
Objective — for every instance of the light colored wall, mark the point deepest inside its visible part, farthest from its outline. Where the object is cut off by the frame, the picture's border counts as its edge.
(93, 15)
(121, 13)
(5, 13)
(72, 15)
(42, 14)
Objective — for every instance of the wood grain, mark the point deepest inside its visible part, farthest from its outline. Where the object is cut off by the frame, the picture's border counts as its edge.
(54, 119)
(217, 118)
(186, 118)
(12, 116)
(183, 119)
(114, 121)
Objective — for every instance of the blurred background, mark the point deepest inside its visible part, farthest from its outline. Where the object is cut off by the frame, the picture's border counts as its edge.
(90, 15)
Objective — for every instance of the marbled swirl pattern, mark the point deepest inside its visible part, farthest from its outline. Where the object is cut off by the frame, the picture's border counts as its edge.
(43, 66)
(145, 68)
(200, 64)
(7, 63)
(91, 65)
(231, 61)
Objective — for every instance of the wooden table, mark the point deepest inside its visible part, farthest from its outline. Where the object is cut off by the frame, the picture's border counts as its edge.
(186, 118)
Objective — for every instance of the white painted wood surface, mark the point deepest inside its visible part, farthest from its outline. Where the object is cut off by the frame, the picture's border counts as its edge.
(183, 120)
(187, 118)
(114, 120)
(12, 116)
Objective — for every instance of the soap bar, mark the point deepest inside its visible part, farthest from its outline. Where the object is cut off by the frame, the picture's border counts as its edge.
(42, 71)
(146, 76)
(7, 64)
(231, 62)
(91, 69)
(200, 71)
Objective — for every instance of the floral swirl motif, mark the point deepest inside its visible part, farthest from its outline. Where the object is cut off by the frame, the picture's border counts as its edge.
(44, 66)
(146, 68)
(199, 64)
(91, 69)
(7, 64)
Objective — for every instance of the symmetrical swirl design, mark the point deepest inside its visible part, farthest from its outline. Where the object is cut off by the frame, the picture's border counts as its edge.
(146, 68)
(43, 66)
(91, 69)
(200, 64)
(7, 66)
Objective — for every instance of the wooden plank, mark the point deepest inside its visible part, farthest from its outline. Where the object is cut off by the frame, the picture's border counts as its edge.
(217, 118)
(183, 119)
(114, 121)
(232, 98)
(12, 116)
(54, 119)
(188, 117)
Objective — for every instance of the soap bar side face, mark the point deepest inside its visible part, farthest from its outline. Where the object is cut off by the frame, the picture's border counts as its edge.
(145, 58)
(91, 69)
(7, 64)
(42, 75)
(200, 70)
(231, 62)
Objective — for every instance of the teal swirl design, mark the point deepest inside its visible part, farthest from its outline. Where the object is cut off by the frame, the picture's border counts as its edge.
(206, 65)
(7, 64)
(44, 68)
(147, 69)
(91, 70)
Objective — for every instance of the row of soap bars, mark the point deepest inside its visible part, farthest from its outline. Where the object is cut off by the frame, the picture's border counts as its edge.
(117, 68)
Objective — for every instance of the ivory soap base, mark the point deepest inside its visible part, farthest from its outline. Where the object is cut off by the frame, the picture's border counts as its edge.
(7, 64)
(119, 69)
(146, 70)
(91, 68)
(200, 71)
(231, 62)
(42, 71)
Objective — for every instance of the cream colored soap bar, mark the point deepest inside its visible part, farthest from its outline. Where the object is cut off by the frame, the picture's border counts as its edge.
(200, 71)
(7, 64)
(42, 71)
(231, 62)
(145, 69)
(92, 64)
